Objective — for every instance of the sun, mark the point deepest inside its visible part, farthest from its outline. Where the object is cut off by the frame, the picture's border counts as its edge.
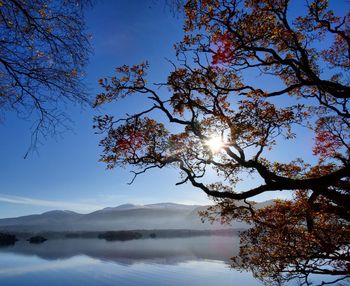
(215, 143)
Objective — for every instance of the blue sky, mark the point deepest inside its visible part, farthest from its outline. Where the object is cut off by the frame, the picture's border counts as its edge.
(65, 172)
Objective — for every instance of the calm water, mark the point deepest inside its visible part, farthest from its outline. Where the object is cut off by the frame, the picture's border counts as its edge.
(176, 261)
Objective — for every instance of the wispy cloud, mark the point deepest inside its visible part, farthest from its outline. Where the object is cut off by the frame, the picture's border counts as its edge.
(76, 206)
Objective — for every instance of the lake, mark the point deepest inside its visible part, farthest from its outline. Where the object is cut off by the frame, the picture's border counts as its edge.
(174, 261)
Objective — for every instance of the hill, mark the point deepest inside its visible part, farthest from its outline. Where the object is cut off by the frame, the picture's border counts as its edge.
(123, 217)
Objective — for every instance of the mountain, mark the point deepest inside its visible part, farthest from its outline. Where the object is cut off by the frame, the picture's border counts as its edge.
(123, 217)
(51, 218)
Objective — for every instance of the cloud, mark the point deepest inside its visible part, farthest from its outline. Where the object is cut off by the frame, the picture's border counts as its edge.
(49, 203)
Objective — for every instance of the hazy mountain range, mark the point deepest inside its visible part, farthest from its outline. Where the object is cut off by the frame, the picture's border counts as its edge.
(123, 217)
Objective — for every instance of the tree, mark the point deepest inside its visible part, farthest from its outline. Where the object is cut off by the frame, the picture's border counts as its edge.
(232, 123)
(43, 50)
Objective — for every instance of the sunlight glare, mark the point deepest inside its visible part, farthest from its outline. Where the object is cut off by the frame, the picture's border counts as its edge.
(215, 144)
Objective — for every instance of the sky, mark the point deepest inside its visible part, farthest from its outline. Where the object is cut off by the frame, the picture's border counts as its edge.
(65, 173)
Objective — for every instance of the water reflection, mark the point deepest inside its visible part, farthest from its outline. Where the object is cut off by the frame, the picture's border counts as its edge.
(149, 262)
(163, 251)
(77, 261)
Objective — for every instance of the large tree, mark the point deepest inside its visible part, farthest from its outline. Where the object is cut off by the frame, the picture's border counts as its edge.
(232, 121)
(43, 50)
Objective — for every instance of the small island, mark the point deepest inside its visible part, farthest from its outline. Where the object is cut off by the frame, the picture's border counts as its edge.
(37, 239)
(120, 235)
(7, 239)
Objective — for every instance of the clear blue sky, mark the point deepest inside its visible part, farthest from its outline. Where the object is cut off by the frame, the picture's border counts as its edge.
(65, 173)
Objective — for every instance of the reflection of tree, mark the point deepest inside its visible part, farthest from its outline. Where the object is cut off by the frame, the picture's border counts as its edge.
(43, 49)
(213, 94)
